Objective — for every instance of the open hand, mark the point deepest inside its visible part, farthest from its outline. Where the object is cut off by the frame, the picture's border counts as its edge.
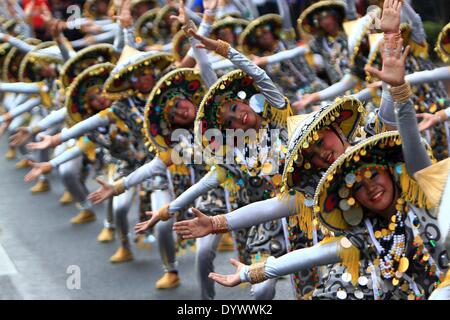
(106, 191)
(146, 225)
(46, 142)
(393, 70)
(37, 170)
(428, 120)
(20, 137)
(198, 227)
(390, 20)
(230, 280)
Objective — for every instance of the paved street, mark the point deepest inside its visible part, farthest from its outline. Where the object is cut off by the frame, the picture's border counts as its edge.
(38, 244)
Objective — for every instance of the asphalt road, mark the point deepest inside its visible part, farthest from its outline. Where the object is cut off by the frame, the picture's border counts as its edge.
(38, 246)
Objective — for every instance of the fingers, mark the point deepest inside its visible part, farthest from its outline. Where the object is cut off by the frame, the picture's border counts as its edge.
(200, 46)
(221, 279)
(235, 263)
(373, 71)
(420, 115)
(398, 5)
(101, 181)
(405, 54)
(149, 213)
(197, 212)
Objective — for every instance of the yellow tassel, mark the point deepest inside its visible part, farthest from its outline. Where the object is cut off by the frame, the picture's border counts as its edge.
(349, 256)
(411, 191)
(88, 148)
(278, 116)
(419, 50)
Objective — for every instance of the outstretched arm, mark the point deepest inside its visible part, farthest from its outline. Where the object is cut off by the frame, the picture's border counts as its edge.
(318, 255)
(247, 216)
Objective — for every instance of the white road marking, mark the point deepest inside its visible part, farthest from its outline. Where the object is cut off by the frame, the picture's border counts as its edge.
(6, 265)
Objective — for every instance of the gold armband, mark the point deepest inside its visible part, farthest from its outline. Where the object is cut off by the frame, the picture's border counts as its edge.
(35, 130)
(402, 93)
(222, 48)
(256, 272)
(219, 224)
(163, 213)
(119, 187)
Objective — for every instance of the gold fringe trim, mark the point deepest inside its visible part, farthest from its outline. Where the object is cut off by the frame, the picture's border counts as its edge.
(411, 191)
(349, 256)
(226, 182)
(446, 281)
(88, 148)
(304, 218)
(419, 50)
(278, 116)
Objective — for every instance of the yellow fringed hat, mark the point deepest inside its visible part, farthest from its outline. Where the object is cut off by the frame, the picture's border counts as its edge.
(90, 80)
(31, 62)
(300, 178)
(13, 59)
(118, 85)
(181, 83)
(98, 53)
(306, 22)
(237, 26)
(334, 203)
(248, 38)
(443, 44)
(233, 86)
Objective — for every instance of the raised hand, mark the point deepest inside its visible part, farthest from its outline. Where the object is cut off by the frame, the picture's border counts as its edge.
(393, 70)
(144, 226)
(206, 43)
(198, 227)
(103, 193)
(428, 120)
(22, 136)
(230, 280)
(37, 170)
(46, 142)
(390, 20)
(210, 4)
(125, 18)
(182, 17)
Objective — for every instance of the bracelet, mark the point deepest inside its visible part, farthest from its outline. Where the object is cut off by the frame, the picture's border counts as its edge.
(163, 213)
(401, 93)
(222, 48)
(119, 187)
(35, 130)
(437, 117)
(256, 272)
(219, 224)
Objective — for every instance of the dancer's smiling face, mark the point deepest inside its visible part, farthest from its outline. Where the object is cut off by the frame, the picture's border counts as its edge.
(239, 115)
(376, 193)
(326, 149)
(143, 80)
(183, 113)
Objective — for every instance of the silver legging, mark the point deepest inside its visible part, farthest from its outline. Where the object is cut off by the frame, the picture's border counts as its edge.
(121, 205)
(204, 258)
(164, 232)
(265, 290)
(70, 173)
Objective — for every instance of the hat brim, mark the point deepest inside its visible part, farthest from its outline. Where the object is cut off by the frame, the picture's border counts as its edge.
(304, 22)
(77, 109)
(98, 53)
(347, 112)
(185, 82)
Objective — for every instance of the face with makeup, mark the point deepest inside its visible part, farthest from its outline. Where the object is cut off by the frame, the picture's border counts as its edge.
(266, 39)
(143, 80)
(47, 71)
(227, 35)
(238, 115)
(96, 100)
(376, 193)
(328, 22)
(183, 113)
(327, 148)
